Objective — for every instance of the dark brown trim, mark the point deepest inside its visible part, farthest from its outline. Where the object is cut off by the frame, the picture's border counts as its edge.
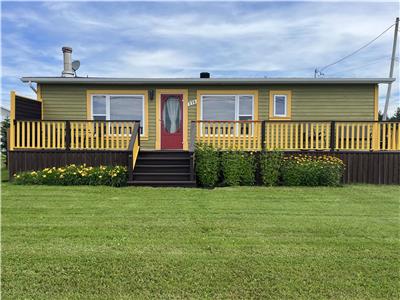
(332, 136)
(263, 135)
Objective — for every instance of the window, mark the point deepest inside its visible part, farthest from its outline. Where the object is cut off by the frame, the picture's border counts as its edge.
(280, 105)
(227, 107)
(119, 107)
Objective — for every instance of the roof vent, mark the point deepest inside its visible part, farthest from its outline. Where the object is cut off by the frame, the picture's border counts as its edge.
(204, 75)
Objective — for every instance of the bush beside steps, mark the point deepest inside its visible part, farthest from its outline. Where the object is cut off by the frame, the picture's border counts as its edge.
(216, 167)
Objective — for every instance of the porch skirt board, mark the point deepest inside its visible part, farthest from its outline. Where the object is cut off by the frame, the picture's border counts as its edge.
(361, 167)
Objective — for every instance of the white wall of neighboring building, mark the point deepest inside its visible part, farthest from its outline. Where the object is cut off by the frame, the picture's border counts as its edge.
(5, 113)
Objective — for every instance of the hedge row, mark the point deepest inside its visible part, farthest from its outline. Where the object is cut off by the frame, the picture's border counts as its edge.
(234, 167)
(75, 175)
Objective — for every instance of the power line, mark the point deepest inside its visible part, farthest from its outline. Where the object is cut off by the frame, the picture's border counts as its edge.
(354, 52)
(373, 62)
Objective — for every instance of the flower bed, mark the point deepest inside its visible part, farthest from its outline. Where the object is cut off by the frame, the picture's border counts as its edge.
(308, 170)
(75, 175)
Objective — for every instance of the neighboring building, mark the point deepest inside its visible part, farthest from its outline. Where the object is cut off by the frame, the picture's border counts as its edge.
(5, 113)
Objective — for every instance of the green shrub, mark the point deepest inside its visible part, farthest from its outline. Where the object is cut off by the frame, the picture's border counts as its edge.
(270, 167)
(75, 175)
(231, 163)
(308, 170)
(248, 168)
(207, 165)
(238, 167)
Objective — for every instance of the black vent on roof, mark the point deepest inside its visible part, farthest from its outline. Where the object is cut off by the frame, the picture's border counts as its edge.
(204, 75)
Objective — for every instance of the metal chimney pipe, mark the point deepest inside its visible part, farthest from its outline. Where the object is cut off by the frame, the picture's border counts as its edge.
(67, 54)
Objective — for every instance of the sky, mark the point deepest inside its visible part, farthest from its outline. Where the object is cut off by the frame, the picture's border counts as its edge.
(182, 39)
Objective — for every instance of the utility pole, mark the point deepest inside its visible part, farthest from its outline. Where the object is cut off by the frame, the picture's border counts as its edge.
(389, 89)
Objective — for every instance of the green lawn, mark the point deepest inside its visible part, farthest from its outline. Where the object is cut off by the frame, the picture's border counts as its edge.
(100, 242)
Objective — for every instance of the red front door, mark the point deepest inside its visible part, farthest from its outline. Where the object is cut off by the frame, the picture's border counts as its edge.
(171, 121)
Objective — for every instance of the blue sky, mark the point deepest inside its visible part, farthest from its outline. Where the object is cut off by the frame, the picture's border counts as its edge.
(170, 39)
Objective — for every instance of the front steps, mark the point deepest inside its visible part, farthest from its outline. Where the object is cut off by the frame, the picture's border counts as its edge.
(164, 168)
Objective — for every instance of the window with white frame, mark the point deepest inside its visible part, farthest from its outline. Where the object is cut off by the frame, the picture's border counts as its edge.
(280, 105)
(119, 107)
(227, 107)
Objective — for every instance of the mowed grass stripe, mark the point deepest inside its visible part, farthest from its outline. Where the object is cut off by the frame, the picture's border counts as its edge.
(100, 242)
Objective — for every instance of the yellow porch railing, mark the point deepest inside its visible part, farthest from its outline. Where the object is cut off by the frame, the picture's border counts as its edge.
(38, 135)
(301, 135)
(382, 136)
(104, 135)
(356, 136)
(389, 135)
(74, 135)
(245, 135)
(297, 135)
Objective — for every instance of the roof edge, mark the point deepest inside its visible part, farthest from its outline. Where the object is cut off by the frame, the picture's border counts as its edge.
(200, 81)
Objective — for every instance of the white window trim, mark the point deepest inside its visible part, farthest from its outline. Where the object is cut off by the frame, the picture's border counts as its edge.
(237, 114)
(108, 102)
(286, 104)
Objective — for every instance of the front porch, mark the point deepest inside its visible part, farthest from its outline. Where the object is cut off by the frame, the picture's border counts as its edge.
(35, 143)
(371, 150)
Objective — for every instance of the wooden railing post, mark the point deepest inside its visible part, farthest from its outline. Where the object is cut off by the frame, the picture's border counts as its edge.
(193, 132)
(12, 121)
(67, 135)
(333, 136)
(263, 146)
(376, 139)
(11, 135)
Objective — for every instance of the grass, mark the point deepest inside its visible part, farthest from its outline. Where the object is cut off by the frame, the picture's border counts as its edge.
(100, 242)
